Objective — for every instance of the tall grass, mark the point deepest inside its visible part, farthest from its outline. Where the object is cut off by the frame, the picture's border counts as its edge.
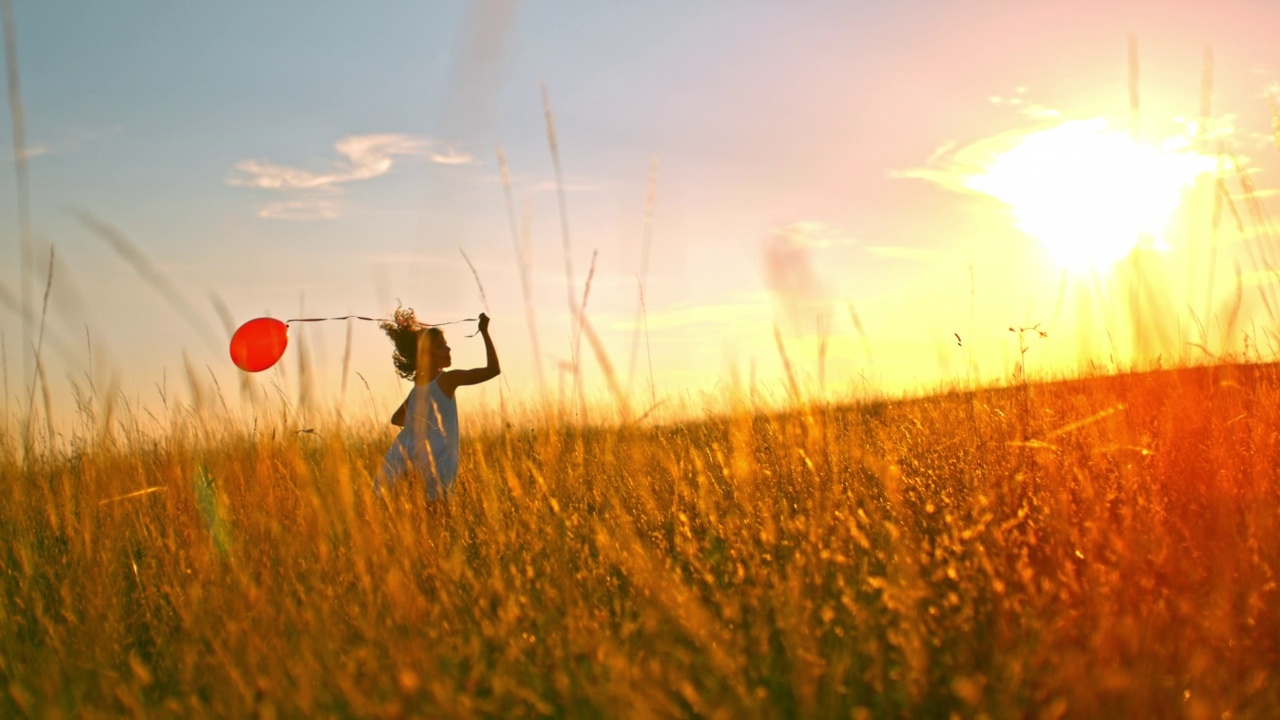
(896, 558)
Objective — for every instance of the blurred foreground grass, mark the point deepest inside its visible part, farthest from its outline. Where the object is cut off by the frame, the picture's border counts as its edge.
(1091, 548)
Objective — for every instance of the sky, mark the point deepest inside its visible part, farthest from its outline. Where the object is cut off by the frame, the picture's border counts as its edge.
(885, 197)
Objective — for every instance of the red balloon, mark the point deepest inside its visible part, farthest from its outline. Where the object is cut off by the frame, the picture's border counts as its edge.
(259, 343)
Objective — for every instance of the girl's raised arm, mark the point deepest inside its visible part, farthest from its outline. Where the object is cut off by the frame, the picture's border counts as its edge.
(453, 379)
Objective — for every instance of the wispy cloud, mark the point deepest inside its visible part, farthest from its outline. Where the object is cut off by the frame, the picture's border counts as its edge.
(451, 157)
(361, 157)
(312, 208)
(954, 166)
(817, 234)
(1024, 106)
(62, 144)
(952, 163)
(941, 152)
(35, 151)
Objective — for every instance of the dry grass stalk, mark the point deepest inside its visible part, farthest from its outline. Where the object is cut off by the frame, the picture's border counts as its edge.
(648, 349)
(59, 346)
(520, 239)
(106, 426)
(37, 349)
(862, 333)
(579, 317)
(45, 397)
(824, 338)
(19, 143)
(1221, 197)
(586, 287)
(142, 265)
(199, 399)
(484, 299)
(302, 350)
(4, 362)
(564, 234)
(650, 201)
(792, 384)
(135, 494)
(606, 366)
(224, 314)
(346, 362)
(244, 379)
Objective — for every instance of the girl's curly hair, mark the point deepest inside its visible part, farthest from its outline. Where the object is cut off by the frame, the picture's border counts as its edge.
(405, 331)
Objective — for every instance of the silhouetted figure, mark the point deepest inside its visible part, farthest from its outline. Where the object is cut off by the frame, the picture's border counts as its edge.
(427, 445)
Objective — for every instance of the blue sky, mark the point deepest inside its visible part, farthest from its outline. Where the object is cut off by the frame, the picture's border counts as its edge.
(328, 158)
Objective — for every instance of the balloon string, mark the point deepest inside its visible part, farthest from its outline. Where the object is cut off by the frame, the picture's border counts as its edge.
(361, 317)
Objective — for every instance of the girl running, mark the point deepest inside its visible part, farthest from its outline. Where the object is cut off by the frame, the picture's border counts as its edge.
(427, 445)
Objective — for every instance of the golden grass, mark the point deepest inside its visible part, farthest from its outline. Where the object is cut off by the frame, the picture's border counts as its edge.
(1117, 556)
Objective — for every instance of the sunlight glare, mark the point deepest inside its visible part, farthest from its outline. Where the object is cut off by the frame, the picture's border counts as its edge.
(1089, 192)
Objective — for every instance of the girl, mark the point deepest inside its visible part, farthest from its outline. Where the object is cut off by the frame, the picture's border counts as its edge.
(427, 445)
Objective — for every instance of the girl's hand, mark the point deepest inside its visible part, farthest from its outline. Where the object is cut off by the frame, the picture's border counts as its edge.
(484, 323)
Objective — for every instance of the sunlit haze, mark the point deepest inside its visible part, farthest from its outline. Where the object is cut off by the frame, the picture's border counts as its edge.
(873, 195)
(1089, 192)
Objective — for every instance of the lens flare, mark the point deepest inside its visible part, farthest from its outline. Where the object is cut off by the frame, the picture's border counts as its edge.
(1091, 193)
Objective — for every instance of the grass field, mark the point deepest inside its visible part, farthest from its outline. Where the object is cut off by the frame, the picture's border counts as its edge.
(1094, 548)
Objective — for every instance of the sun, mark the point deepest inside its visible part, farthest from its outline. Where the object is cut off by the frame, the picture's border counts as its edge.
(1089, 192)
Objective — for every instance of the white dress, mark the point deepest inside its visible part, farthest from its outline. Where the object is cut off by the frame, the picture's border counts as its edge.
(427, 445)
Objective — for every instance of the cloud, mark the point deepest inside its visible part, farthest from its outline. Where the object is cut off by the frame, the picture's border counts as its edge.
(941, 152)
(1036, 111)
(451, 157)
(303, 209)
(66, 143)
(816, 234)
(953, 166)
(36, 150)
(1023, 106)
(362, 157)
(951, 177)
